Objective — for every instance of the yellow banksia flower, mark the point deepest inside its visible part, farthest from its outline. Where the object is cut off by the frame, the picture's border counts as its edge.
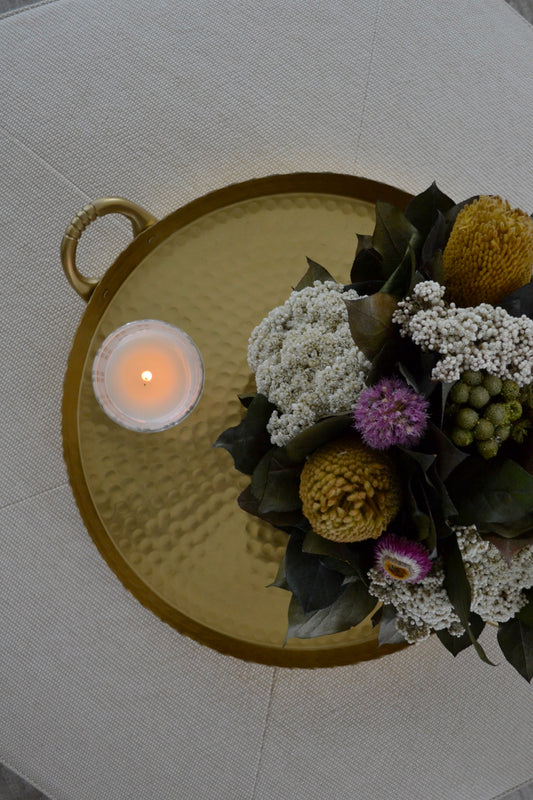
(348, 491)
(489, 253)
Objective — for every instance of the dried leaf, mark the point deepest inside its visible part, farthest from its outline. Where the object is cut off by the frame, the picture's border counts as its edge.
(516, 642)
(314, 273)
(276, 483)
(392, 236)
(496, 497)
(370, 320)
(348, 610)
(423, 209)
(313, 584)
(456, 644)
(388, 632)
(458, 589)
(248, 441)
(298, 448)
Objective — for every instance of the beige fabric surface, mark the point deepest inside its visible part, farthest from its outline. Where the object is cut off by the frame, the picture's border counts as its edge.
(161, 102)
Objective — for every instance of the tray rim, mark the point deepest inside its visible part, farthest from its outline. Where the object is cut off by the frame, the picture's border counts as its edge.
(324, 183)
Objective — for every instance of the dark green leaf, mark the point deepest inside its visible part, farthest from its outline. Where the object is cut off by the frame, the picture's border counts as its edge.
(280, 581)
(516, 642)
(417, 508)
(423, 208)
(525, 615)
(456, 582)
(435, 240)
(370, 320)
(364, 242)
(519, 302)
(415, 366)
(314, 273)
(392, 236)
(388, 632)
(441, 503)
(276, 483)
(376, 616)
(445, 391)
(384, 362)
(353, 560)
(284, 520)
(401, 281)
(424, 460)
(523, 454)
(451, 215)
(422, 515)
(495, 496)
(319, 546)
(455, 644)
(364, 287)
(367, 266)
(350, 608)
(248, 441)
(448, 455)
(298, 448)
(311, 582)
(246, 399)
(338, 565)
(434, 268)
(458, 589)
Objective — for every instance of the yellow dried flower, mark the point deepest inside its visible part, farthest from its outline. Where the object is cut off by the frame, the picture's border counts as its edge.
(489, 253)
(348, 491)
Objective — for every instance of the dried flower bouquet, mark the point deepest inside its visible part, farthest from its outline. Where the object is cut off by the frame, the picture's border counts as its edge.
(390, 436)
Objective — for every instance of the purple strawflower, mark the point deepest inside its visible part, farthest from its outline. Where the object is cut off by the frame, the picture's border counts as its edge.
(402, 559)
(389, 413)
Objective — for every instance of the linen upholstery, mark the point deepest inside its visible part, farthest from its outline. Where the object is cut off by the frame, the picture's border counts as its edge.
(160, 103)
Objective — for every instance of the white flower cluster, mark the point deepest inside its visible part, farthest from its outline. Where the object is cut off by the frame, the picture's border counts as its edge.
(497, 589)
(422, 607)
(305, 360)
(482, 337)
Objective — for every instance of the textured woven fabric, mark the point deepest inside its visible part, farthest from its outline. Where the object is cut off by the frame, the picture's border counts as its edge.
(161, 102)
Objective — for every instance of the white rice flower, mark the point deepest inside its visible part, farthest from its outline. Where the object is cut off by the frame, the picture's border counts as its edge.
(497, 589)
(483, 337)
(305, 360)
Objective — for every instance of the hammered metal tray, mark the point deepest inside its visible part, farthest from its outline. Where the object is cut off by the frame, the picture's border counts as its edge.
(162, 508)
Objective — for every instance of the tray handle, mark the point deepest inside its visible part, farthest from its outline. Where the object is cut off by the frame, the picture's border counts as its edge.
(139, 218)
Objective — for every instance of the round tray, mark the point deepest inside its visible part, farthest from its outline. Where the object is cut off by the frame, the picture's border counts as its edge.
(162, 507)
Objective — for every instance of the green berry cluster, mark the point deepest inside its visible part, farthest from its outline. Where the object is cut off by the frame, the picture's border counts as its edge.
(485, 411)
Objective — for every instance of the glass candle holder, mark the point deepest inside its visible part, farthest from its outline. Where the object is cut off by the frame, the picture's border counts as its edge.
(148, 375)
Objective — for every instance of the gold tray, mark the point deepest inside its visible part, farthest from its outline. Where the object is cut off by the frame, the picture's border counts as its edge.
(162, 507)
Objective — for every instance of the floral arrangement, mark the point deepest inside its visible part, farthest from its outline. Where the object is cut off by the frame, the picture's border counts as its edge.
(390, 435)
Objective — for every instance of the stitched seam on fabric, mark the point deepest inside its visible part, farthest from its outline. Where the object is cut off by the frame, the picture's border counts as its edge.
(34, 496)
(524, 785)
(370, 60)
(119, 218)
(262, 746)
(43, 160)
(25, 8)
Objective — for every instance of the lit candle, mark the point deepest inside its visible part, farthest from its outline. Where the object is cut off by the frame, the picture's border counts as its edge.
(148, 375)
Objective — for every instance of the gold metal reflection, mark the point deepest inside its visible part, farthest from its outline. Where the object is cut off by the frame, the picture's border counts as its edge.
(162, 508)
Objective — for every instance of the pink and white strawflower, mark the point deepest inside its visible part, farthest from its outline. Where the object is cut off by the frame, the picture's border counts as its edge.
(401, 559)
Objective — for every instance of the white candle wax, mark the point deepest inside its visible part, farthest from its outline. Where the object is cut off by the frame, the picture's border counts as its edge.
(148, 375)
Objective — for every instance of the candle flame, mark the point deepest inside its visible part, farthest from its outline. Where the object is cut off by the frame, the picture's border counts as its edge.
(146, 376)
